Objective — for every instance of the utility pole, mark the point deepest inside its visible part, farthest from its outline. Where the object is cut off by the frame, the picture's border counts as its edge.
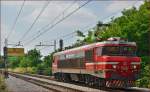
(5, 59)
(54, 45)
(0, 44)
(0, 35)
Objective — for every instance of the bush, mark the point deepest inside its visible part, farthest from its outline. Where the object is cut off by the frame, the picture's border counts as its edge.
(144, 80)
(24, 70)
(20, 70)
(3, 87)
(47, 72)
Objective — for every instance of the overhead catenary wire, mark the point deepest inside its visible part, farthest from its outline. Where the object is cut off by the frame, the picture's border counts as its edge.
(85, 28)
(43, 48)
(66, 35)
(62, 36)
(53, 21)
(58, 22)
(16, 19)
(34, 22)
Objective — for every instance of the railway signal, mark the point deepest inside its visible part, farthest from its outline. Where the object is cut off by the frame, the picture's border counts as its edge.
(61, 44)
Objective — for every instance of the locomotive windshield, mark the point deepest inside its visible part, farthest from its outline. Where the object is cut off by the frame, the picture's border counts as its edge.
(117, 51)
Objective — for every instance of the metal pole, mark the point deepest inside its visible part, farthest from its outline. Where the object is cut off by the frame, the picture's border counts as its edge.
(54, 45)
(5, 59)
(0, 33)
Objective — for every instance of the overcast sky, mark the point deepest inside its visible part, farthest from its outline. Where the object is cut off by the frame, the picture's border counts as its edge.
(83, 19)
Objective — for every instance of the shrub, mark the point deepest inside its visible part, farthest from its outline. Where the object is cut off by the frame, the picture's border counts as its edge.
(144, 80)
(3, 87)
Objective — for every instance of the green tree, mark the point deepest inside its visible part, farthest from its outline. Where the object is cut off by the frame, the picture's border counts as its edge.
(34, 57)
(24, 62)
(13, 62)
(80, 34)
(48, 61)
(144, 80)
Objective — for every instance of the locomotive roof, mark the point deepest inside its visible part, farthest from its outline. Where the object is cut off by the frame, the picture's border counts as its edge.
(89, 46)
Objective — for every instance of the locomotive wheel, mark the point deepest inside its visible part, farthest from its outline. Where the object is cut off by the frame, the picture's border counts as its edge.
(57, 76)
(102, 83)
(86, 80)
(89, 80)
(63, 77)
(66, 77)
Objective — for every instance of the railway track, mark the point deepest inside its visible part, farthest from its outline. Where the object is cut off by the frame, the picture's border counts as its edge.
(51, 84)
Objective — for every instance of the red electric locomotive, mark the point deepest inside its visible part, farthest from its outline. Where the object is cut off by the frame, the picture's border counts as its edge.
(111, 63)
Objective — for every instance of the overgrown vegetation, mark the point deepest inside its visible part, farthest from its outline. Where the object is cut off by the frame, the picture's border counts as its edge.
(32, 63)
(134, 24)
(3, 87)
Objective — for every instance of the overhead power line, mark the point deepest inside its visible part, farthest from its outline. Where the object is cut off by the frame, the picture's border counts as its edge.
(15, 22)
(53, 21)
(62, 36)
(42, 10)
(58, 22)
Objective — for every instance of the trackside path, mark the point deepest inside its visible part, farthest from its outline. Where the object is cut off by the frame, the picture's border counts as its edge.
(18, 85)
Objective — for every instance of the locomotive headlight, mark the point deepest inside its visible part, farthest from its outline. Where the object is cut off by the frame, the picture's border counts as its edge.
(114, 66)
(134, 66)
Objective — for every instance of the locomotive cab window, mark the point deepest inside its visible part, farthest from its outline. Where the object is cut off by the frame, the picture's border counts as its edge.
(99, 51)
(116, 50)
